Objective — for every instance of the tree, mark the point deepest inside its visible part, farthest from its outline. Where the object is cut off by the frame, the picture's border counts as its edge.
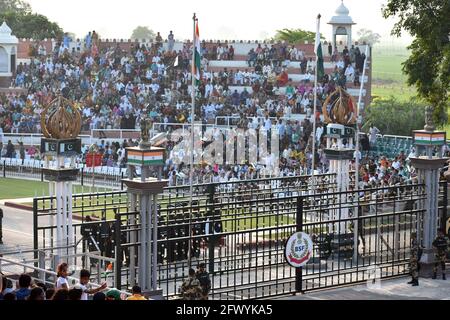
(296, 35)
(428, 66)
(18, 6)
(31, 25)
(394, 117)
(143, 32)
(368, 36)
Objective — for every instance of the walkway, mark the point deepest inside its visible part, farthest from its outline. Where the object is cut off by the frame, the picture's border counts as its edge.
(396, 289)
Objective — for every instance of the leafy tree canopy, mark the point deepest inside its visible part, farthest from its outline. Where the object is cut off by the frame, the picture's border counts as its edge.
(428, 67)
(31, 25)
(368, 36)
(143, 32)
(394, 117)
(296, 35)
(18, 6)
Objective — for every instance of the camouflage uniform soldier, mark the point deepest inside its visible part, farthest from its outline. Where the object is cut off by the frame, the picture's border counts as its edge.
(414, 260)
(190, 289)
(441, 246)
(204, 280)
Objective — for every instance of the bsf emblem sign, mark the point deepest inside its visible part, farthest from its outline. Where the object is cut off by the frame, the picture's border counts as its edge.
(299, 249)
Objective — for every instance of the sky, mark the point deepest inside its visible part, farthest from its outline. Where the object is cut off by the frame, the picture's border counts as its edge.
(218, 19)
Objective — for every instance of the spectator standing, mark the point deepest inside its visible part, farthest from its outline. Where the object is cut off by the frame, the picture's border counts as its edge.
(61, 281)
(171, 41)
(373, 131)
(9, 150)
(84, 285)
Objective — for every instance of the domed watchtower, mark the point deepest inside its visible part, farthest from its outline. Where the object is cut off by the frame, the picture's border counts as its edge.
(342, 25)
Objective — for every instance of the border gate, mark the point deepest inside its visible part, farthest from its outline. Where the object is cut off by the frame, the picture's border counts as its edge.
(239, 230)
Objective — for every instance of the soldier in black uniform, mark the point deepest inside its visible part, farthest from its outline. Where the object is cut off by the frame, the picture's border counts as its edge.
(441, 246)
(1, 226)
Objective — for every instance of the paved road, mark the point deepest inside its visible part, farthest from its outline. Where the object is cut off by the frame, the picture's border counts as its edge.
(17, 229)
(396, 289)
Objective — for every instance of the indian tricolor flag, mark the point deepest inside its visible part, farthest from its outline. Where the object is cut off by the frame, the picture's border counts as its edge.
(429, 138)
(197, 54)
(149, 158)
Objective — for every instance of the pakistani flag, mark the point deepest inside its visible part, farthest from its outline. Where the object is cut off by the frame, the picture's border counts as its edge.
(319, 59)
(197, 56)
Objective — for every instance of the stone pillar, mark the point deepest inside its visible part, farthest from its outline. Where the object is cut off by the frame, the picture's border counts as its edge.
(60, 180)
(340, 157)
(428, 161)
(143, 193)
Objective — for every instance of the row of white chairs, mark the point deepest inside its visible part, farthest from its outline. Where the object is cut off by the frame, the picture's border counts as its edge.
(36, 164)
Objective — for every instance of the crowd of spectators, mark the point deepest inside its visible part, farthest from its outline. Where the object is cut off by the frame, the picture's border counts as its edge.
(115, 88)
(26, 288)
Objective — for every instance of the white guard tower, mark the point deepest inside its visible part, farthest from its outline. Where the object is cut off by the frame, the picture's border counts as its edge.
(8, 55)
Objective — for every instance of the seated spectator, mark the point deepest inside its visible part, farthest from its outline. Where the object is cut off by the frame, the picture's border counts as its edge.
(61, 294)
(24, 287)
(282, 79)
(113, 294)
(36, 294)
(136, 294)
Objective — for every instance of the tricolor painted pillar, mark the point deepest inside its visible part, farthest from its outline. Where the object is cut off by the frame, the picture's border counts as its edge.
(428, 161)
(143, 193)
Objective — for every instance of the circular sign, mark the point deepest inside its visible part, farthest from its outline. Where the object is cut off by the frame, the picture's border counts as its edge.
(299, 249)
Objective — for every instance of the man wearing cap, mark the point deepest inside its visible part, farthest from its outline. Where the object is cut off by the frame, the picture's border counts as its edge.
(113, 294)
(414, 260)
(441, 246)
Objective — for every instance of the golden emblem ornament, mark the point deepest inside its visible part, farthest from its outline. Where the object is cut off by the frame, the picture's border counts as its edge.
(339, 107)
(61, 119)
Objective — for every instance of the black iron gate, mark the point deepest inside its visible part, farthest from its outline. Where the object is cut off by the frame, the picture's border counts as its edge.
(240, 233)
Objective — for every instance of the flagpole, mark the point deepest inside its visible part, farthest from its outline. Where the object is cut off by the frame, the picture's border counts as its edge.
(358, 121)
(191, 169)
(357, 142)
(315, 102)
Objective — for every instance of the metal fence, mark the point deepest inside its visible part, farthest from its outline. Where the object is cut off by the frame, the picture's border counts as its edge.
(240, 231)
(106, 177)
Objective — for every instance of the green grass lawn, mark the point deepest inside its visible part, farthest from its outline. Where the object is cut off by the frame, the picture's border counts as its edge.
(17, 188)
(387, 76)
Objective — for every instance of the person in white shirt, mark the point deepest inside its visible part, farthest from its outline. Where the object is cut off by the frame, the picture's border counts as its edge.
(83, 285)
(61, 281)
(238, 77)
(267, 124)
(350, 73)
(208, 89)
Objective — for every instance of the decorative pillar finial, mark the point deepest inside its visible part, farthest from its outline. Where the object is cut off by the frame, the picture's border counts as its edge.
(429, 124)
(146, 125)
